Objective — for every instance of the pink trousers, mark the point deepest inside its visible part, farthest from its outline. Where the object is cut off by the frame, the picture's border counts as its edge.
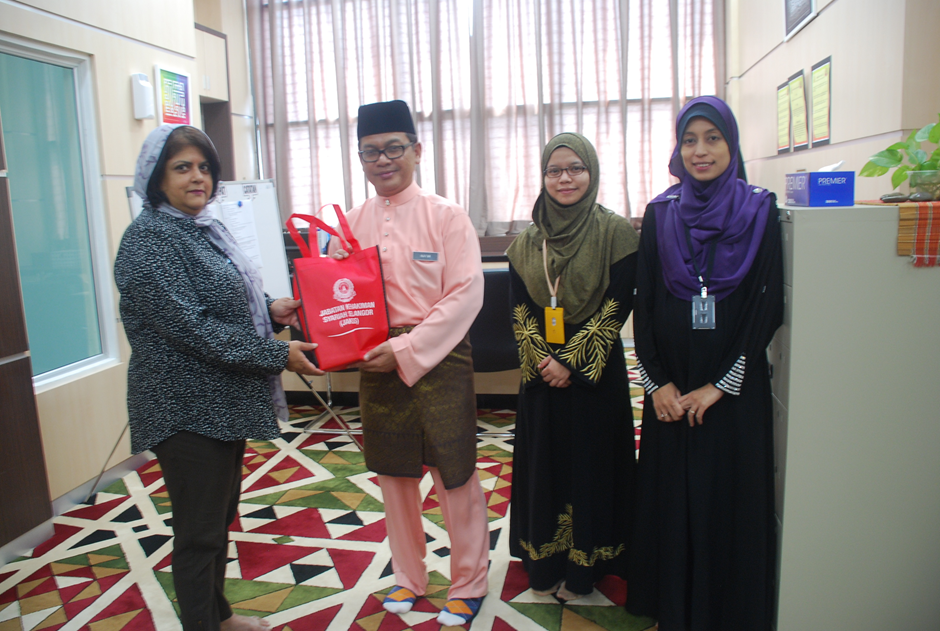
(464, 510)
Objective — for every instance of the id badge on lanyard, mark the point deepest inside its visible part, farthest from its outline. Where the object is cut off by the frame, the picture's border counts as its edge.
(703, 305)
(703, 311)
(554, 324)
(554, 315)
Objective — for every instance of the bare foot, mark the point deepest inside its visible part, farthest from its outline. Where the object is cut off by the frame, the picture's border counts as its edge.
(245, 623)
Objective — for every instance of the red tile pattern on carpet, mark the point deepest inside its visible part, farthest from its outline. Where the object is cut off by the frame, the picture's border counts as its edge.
(308, 549)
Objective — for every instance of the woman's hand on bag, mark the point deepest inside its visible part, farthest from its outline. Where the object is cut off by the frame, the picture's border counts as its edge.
(379, 359)
(554, 373)
(699, 400)
(666, 403)
(297, 362)
(284, 311)
(340, 254)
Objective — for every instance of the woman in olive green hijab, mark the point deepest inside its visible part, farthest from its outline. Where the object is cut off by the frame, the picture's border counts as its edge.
(572, 273)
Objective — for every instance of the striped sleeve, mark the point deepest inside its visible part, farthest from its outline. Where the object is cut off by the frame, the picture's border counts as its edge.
(731, 382)
(648, 384)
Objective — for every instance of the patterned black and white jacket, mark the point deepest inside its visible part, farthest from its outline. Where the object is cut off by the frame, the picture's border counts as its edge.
(196, 363)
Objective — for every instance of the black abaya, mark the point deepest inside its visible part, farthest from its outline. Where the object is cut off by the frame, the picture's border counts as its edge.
(573, 461)
(704, 544)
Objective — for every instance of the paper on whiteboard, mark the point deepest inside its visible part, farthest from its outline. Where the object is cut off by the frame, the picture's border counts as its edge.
(239, 218)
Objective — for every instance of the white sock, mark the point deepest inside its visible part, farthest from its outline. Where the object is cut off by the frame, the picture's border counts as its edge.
(401, 607)
(450, 620)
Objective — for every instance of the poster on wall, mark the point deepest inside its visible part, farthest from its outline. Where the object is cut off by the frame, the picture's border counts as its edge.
(821, 78)
(174, 96)
(783, 118)
(797, 88)
(797, 13)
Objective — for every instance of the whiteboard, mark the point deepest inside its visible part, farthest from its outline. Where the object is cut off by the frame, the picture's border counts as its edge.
(249, 211)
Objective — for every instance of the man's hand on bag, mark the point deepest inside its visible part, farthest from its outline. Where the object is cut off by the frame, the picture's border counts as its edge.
(340, 254)
(284, 311)
(379, 359)
(298, 362)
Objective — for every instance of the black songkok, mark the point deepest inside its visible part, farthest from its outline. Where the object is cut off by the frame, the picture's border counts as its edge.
(383, 118)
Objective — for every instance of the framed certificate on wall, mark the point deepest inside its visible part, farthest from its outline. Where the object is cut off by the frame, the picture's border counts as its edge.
(174, 96)
(798, 13)
(798, 122)
(783, 118)
(822, 110)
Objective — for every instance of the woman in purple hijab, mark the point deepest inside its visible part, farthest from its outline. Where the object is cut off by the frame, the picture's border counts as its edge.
(709, 298)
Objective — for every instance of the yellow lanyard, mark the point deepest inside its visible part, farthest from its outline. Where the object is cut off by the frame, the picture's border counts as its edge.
(554, 315)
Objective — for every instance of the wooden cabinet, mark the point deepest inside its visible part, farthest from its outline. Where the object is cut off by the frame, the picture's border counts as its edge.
(211, 65)
(857, 427)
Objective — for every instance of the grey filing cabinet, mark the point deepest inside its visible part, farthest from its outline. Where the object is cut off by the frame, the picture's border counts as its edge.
(857, 426)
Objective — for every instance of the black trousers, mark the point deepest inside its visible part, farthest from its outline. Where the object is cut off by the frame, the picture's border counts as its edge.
(203, 478)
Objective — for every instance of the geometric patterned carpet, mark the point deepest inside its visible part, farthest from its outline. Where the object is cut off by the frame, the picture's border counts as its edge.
(307, 551)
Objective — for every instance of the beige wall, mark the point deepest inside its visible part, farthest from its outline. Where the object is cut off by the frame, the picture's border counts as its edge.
(884, 80)
(884, 83)
(81, 420)
(228, 16)
(209, 13)
(155, 23)
(240, 96)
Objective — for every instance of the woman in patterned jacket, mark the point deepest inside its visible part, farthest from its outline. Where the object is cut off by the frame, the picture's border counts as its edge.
(572, 273)
(204, 372)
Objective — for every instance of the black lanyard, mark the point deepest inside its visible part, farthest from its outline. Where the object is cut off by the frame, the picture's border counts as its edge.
(711, 262)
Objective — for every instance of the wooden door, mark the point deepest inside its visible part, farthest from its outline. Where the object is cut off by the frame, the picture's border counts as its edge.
(24, 489)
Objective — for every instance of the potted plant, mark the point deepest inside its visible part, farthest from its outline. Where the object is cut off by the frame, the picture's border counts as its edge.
(911, 158)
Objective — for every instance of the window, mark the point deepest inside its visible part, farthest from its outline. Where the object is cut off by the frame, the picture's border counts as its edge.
(489, 82)
(57, 211)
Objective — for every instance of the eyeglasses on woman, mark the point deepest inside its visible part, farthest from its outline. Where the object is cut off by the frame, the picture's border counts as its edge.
(574, 170)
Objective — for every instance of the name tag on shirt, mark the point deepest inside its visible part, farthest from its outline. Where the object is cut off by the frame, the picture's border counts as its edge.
(424, 256)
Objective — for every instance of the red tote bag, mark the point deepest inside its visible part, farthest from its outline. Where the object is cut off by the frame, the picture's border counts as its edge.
(343, 306)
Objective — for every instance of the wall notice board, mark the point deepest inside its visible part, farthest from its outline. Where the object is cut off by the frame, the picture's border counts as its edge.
(249, 211)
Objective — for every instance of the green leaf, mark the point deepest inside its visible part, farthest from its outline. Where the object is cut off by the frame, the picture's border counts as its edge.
(898, 145)
(934, 135)
(930, 165)
(917, 158)
(899, 175)
(912, 144)
(936, 154)
(887, 158)
(924, 132)
(872, 170)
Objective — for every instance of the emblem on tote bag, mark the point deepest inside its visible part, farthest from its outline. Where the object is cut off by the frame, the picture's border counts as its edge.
(343, 290)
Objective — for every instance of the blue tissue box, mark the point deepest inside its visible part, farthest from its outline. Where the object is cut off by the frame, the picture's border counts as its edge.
(821, 188)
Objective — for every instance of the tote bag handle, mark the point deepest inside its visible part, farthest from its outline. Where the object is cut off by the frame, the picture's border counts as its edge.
(350, 243)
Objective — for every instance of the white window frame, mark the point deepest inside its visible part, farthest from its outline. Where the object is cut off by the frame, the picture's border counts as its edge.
(98, 227)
